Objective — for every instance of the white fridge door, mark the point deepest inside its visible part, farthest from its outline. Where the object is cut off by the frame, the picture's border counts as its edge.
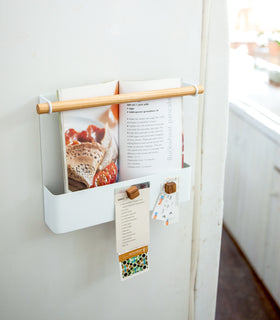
(53, 44)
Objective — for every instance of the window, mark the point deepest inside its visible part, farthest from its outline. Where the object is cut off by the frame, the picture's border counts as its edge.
(255, 52)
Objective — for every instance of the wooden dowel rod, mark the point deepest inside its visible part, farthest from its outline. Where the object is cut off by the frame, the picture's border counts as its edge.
(59, 106)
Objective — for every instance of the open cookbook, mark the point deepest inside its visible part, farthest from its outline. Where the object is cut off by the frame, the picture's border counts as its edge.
(103, 145)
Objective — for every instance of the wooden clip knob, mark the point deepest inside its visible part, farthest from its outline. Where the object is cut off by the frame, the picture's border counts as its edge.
(132, 192)
(170, 187)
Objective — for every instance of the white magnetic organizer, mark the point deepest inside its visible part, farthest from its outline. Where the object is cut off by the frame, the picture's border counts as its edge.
(65, 212)
(76, 210)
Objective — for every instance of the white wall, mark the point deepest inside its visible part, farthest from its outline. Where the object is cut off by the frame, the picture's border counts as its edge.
(50, 44)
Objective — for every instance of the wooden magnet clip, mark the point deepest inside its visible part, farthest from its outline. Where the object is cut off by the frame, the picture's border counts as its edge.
(132, 192)
(170, 187)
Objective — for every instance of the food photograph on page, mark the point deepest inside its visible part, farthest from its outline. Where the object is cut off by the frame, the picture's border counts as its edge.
(90, 147)
(91, 155)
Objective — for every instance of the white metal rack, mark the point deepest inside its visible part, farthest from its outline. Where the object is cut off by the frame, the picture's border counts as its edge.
(65, 212)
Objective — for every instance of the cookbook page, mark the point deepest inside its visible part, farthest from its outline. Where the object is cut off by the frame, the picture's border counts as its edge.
(89, 139)
(150, 135)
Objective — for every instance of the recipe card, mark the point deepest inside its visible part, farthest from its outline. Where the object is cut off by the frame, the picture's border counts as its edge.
(132, 230)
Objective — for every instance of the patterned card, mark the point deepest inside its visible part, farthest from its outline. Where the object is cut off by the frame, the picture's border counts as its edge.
(134, 262)
(166, 208)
